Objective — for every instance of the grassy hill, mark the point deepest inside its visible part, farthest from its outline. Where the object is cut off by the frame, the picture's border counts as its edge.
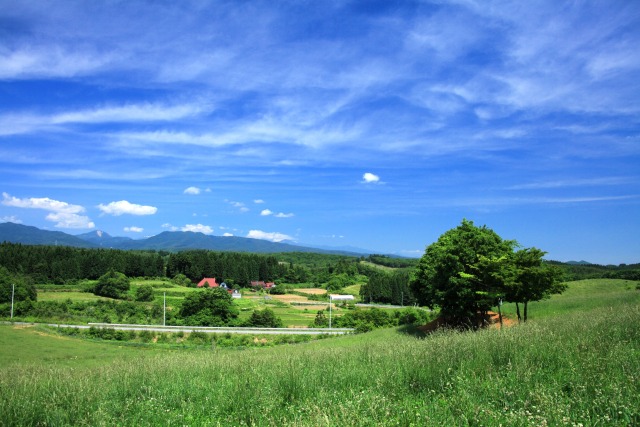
(576, 362)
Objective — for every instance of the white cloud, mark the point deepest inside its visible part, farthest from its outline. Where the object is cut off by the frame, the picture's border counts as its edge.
(268, 212)
(198, 228)
(133, 229)
(369, 178)
(228, 235)
(273, 236)
(41, 203)
(258, 201)
(124, 207)
(192, 190)
(63, 214)
(69, 220)
(169, 226)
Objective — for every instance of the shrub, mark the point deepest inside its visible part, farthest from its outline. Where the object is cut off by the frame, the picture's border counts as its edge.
(144, 293)
(264, 318)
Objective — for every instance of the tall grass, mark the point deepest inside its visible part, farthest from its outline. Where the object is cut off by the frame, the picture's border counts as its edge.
(578, 369)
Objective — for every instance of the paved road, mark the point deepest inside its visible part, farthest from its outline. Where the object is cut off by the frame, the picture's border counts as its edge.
(205, 329)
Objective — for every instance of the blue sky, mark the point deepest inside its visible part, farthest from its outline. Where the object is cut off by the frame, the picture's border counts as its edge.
(370, 124)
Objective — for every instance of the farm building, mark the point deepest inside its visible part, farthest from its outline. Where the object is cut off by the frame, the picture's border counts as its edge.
(208, 282)
(262, 284)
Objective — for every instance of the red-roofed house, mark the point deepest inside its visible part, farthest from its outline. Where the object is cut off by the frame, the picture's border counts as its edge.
(262, 284)
(209, 282)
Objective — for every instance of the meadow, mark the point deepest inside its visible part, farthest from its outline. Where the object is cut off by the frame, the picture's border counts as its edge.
(576, 362)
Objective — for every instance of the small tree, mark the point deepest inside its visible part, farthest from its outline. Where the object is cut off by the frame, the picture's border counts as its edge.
(182, 280)
(22, 287)
(209, 307)
(264, 319)
(112, 284)
(321, 320)
(533, 280)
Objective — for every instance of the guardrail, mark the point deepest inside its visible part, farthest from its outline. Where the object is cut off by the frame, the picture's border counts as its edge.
(220, 329)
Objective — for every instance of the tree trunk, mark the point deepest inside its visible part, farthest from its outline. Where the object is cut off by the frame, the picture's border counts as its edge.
(500, 313)
(525, 310)
(518, 312)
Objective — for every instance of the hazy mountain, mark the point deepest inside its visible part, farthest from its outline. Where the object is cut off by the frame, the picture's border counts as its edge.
(183, 240)
(102, 239)
(167, 241)
(28, 235)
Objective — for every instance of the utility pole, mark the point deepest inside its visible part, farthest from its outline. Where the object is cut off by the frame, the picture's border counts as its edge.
(329, 311)
(13, 292)
(164, 310)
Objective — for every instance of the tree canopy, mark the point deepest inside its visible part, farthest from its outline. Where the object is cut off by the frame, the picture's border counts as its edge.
(112, 284)
(21, 287)
(209, 307)
(469, 269)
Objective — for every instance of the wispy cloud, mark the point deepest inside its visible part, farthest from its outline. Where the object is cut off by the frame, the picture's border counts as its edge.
(133, 229)
(18, 123)
(238, 205)
(192, 190)
(11, 218)
(587, 182)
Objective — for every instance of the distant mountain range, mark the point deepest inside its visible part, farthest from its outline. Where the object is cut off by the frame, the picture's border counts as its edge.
(168, 241)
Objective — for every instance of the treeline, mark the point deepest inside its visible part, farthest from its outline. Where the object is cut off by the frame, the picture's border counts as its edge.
(387, 287)
(61, 264)
(595, 271)
(393, 262)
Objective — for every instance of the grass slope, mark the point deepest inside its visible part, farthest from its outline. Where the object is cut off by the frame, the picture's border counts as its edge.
(578, 368)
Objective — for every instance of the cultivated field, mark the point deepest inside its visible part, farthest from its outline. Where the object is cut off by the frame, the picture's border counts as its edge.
(576, 362)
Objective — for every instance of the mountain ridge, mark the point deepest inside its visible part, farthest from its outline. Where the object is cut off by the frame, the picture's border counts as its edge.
(171, 241)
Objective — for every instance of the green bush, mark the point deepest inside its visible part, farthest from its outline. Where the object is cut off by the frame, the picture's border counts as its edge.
(264, 319)
(144, 293)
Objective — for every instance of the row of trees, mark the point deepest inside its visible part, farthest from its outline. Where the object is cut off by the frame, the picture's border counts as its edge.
(470, 269)
(387, 287)
(232, 267)
(60, 264)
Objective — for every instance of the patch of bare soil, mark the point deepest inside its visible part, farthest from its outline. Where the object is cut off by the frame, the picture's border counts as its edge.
(492, 320)
(312, 291)
(289, 298)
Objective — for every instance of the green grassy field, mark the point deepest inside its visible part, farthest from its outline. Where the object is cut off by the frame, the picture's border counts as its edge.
(576, 362)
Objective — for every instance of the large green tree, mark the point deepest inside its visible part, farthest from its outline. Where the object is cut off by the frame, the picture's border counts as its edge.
(452, 273)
